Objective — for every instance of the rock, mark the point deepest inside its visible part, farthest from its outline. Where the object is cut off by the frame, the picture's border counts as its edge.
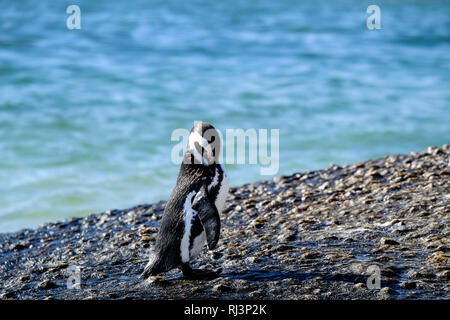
(6, 295)
(408, 285)
(444, 275)
(435, 225)
(417, 274)
(17, 247)
(196, 289)
(221, 288)
(388, 241)
(283, 247)
(99, 275)
(310, 255)
(158, 280)
(387, 293)
(216, 255)
(258, 223)
(47, 284)
(439, 257)
(388, 272)
(147, 238)
(274, 203)
(24, 278)
(256, 294)
(148, 230)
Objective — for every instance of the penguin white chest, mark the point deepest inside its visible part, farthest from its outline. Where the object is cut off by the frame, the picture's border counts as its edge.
(197, 245)
(223, 189)
(189, 252)
(189, 215)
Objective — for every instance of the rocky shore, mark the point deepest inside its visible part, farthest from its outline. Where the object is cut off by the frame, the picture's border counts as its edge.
(324, 234)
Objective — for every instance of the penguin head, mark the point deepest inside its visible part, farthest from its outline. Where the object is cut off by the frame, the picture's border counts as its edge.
(204, 144)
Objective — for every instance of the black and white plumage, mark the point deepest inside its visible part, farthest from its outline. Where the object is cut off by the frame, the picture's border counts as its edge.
(191, 215)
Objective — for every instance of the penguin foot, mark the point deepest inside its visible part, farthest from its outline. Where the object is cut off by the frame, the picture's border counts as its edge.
(198, 274)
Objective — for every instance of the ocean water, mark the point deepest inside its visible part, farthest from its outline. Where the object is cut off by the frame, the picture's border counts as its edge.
(86, 115)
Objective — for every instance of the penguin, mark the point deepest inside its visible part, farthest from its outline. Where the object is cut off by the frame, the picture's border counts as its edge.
(191, 217)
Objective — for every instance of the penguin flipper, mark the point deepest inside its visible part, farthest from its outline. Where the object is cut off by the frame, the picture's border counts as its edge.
(209, 216)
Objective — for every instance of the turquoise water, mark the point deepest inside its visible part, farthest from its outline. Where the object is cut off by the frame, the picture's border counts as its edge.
(86, 115)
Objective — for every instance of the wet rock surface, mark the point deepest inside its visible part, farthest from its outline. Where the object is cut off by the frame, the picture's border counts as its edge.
(325, 234)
